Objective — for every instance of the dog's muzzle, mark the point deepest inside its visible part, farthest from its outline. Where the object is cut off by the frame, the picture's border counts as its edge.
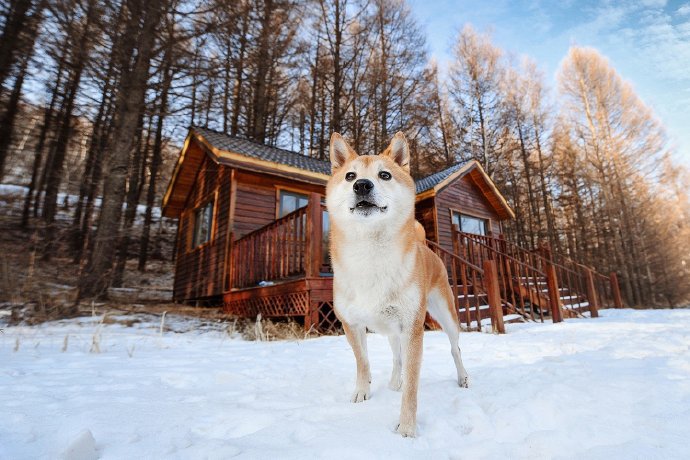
(366, 207)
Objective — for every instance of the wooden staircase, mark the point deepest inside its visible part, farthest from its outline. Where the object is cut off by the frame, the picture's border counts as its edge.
(532, 285)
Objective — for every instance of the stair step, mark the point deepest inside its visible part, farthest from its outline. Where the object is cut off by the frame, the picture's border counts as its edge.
(472, 308)
(578, 305)
(507, 319)
(513, 318)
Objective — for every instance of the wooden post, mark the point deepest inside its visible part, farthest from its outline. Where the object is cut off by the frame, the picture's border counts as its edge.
(311, 319)
(554, 293)
(591, 293)
(230, 264)
(616, 290)
(314, 236)
(493, 292)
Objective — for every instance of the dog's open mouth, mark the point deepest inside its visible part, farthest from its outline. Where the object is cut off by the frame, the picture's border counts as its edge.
(367, 207)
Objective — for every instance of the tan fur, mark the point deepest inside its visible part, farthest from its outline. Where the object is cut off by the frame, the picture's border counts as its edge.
(385, 277)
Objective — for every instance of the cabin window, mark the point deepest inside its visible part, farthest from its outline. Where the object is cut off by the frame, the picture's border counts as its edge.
(203, 223)
(291, 201)
(470, 224)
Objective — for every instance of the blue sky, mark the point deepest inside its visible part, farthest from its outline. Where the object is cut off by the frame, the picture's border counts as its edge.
(647, 41)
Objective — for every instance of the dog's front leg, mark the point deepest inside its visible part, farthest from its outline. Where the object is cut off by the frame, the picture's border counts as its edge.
(412, 343)
(357, 337)
(395, 383)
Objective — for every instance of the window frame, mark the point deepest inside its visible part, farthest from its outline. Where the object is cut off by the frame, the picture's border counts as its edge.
(486, 220)
(208, 206)
(290, 191)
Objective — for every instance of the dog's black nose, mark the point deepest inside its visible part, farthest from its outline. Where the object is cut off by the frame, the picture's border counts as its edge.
(363, 186)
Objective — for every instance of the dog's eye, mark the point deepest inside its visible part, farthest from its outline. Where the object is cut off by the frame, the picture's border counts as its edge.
(385, 175)
(350, 176)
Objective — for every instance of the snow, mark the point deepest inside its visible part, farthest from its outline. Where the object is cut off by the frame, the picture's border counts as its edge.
(613, 387)
(83, 448)
(17, 193)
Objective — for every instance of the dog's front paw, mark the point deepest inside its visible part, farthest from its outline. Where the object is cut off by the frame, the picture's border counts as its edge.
(464, 381)
(360, 394)
(406, 430)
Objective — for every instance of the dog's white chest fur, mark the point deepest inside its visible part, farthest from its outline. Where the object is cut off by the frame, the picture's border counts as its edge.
(375, 287)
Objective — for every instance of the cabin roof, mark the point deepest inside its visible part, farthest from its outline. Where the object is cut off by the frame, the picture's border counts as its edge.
(250, 155)
(431, 185)
(429, 182)
(253, 149)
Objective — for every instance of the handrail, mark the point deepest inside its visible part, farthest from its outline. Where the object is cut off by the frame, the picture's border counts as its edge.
(522, 273)
(286, 248)
(579, 283)
(462, 272)
(509, 257)
(273, 224)
(437, 247)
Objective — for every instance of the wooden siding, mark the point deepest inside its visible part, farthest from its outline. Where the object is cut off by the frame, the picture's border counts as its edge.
(465, 196)
(199, 270)
(257, 200)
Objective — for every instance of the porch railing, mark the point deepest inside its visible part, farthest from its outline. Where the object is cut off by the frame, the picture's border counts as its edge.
(289, 247)
(469, 282)
(533, 280)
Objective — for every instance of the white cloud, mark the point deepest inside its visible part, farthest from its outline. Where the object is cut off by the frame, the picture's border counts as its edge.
(684, 10)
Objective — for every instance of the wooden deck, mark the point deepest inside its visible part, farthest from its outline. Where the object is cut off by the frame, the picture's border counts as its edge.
(307, 299)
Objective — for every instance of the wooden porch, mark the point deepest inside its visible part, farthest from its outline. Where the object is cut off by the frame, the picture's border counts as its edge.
(282, 270)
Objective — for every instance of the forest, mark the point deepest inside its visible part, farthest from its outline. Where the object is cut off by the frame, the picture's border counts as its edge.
(96, 98)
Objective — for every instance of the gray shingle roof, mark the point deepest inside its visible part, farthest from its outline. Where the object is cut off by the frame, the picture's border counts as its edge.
(263, 152)
(429, 182)
(277, 155)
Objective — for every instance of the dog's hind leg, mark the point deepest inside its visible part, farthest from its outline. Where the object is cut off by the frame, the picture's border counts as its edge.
(442, 309)
(357, 337)
(396, 376)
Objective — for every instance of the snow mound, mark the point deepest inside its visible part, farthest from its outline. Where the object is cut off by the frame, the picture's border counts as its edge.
(82, 448)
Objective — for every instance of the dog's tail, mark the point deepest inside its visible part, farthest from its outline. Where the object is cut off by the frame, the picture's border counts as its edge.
(419, 231)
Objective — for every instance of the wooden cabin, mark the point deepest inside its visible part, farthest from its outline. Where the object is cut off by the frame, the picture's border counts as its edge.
(252, 226)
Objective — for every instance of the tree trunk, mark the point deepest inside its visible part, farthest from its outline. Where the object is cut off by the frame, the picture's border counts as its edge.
(38, 153)
(155, 166)
(131, 94)
(17, 17)
(7, 121)
(134, 188)
(260, 102)
(239, 73)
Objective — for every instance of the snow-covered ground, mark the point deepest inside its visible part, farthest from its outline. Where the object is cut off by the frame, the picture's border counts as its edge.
(617, 387)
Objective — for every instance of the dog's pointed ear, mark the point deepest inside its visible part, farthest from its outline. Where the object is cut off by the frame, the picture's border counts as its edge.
(340, 152)
(399, 151)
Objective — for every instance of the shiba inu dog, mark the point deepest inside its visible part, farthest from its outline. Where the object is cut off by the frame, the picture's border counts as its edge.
(385, 277)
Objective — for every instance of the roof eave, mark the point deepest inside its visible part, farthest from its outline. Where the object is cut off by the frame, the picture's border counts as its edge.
(224, 156)
(471, 165)
(165, 210)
